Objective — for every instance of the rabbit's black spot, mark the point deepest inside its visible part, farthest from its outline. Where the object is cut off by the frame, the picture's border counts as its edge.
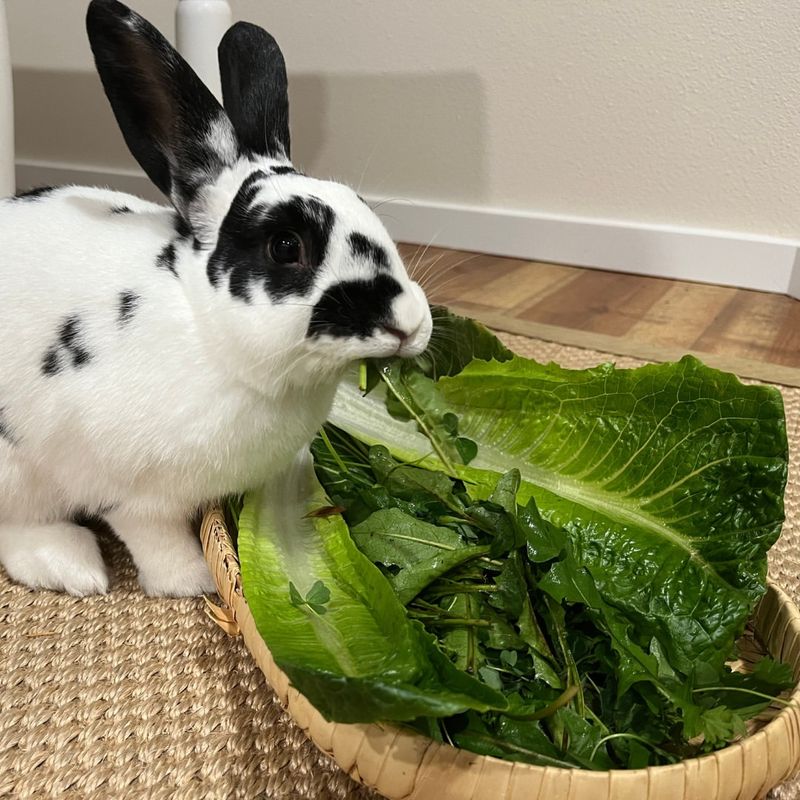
(320, 219)
(242, 204)
(363, 201)
(68, 346)
(283, 170)
(239, 284)
(166, 259)
(51, 363)
(80, 357)
(363, 247)
(234, 227)
(126, 307)
(68, 332)
(5, 428)
(121, 210)
(237, 234)
(35, 194)
(242, 253)
(354, 308)
(88, 517)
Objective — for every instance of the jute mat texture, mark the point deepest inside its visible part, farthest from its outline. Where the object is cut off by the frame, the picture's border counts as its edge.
(124, 696)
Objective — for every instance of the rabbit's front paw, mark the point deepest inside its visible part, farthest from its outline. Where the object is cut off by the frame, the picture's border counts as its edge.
(167, 554)
(187, 578)
(59, 556)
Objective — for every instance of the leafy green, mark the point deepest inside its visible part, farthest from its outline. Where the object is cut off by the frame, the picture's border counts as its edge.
(457, 341)
(540, 564)
(363, 658)
(668, 476)
(395, 538)
(412, 395)
(422, 551)
(316, 598)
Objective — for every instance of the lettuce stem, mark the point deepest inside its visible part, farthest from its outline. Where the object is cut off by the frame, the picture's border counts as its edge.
(423, 427)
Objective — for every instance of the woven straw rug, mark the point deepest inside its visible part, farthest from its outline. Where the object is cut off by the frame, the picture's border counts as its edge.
(123, 696)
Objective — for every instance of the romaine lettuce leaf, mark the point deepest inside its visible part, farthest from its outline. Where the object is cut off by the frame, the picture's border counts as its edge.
(664, 482)
(670, 478)
(361, 659)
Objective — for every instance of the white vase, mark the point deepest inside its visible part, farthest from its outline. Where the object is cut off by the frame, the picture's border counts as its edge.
(7, 185)
(199, 26)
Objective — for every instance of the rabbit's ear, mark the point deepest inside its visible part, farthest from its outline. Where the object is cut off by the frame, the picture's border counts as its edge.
(172, 124)
(254, 90)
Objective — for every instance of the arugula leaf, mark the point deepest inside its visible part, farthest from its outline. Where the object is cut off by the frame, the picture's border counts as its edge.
(423, 551)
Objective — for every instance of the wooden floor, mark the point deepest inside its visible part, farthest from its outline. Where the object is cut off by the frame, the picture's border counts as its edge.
(638, 310)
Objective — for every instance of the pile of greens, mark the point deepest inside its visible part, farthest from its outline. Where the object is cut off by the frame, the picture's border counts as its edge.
(540, 564)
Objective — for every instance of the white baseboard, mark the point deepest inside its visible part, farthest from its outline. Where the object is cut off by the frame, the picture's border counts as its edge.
(693, 254)
(45, 173)
(690, 254)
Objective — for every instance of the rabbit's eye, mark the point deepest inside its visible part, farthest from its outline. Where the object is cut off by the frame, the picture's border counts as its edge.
(285, 247)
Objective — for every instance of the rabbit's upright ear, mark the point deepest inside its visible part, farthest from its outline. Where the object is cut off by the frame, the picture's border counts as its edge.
(255, 91)
(172, 124)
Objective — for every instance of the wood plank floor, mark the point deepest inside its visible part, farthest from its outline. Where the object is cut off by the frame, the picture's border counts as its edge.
(677, 315)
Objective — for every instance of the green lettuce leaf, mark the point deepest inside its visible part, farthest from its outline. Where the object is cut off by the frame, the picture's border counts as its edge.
(669, 478)
(636, 506)
(331, 620)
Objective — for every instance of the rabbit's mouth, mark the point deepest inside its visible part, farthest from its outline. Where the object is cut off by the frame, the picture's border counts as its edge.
(408, 343)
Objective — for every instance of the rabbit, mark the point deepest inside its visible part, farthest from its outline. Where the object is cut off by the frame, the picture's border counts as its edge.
(156, 358)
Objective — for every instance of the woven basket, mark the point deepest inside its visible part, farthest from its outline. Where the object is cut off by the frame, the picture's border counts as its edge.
(405, 766)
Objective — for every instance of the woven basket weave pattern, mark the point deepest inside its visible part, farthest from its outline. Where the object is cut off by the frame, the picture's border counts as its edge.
(124, 696)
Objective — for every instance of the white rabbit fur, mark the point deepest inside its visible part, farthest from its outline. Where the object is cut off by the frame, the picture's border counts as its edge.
(136, 381)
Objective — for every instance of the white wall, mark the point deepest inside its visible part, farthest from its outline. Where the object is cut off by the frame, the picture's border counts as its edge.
(672, 112)
(668, 113)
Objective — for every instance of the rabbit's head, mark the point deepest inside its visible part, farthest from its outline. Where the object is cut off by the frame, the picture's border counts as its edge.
(287, 275)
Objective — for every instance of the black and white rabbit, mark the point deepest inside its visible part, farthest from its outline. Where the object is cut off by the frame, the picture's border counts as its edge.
(152, 358)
